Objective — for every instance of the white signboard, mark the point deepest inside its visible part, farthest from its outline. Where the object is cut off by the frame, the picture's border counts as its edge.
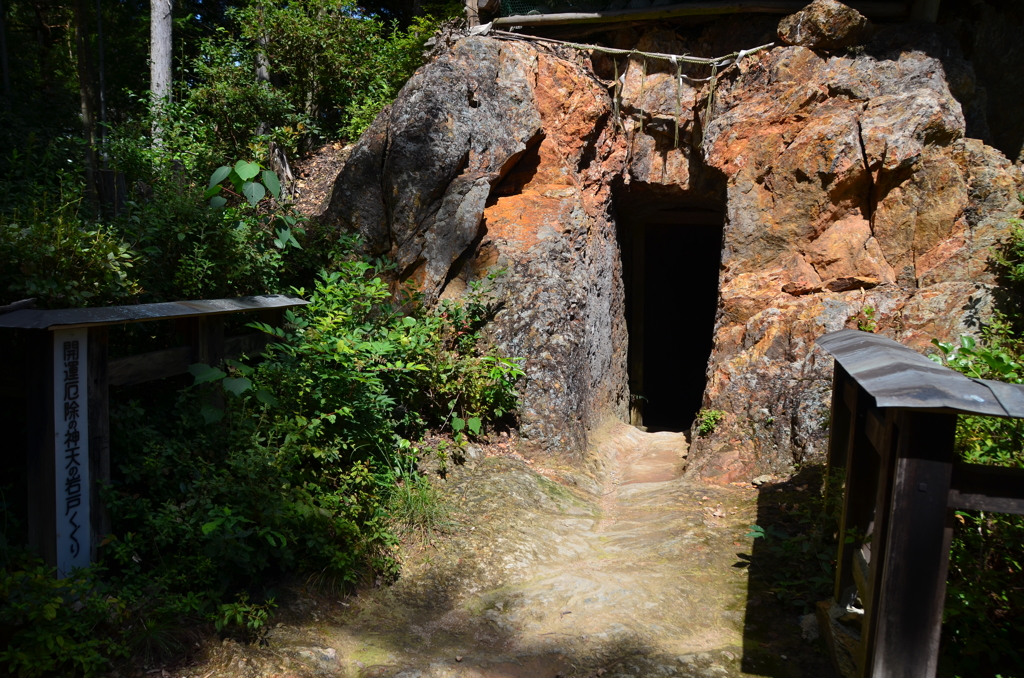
(71, 446)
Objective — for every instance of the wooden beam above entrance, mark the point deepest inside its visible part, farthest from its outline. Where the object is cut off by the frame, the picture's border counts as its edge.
(873, 10)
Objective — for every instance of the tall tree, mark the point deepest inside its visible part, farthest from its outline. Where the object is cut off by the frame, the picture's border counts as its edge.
(6, 73)
(85, 91)
(159, 57)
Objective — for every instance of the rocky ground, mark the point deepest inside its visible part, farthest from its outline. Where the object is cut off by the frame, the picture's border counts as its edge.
(314, 177)
(628, 570)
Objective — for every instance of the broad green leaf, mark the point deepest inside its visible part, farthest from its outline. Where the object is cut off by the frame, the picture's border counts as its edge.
(237, 385)
(253, 192)
(211, 414)
(212, 525)
(212, 191)
(204, 373)
(458, 424)
(219, 175)
(272, 183)
(474, 425)
(285, 237)
(217, 201)
(266, 397)
(408, 321)
(241, 367)
(246, 170)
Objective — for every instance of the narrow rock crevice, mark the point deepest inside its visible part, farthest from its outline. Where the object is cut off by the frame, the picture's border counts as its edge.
(869, 203)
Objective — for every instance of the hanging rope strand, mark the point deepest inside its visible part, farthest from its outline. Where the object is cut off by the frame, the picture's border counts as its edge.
(709, 109)
(721, 61)
(643, 82)
(615, 94)
(679, 98)
(716, 63)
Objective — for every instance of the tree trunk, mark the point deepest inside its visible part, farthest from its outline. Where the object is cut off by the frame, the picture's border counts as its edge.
(85, 91)
(103, 82)
(277, 159)
(159, 59)
(3, 55)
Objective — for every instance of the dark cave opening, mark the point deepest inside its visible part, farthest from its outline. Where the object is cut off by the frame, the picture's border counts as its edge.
(672, 257)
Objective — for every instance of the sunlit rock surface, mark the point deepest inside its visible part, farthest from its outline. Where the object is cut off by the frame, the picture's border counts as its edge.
(850, 190)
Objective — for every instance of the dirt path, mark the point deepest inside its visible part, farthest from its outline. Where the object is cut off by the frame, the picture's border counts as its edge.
(633, 574)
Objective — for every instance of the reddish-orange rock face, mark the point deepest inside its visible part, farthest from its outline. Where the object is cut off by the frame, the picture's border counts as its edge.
(849, 191)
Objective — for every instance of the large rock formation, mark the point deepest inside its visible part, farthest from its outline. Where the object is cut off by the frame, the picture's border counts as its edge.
(849, 191)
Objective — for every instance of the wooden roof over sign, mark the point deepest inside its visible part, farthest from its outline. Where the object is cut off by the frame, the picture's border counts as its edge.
(45, 319)
(901, 377)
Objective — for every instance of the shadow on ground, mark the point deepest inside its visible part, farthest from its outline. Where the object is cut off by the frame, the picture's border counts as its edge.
(629, 571)
(785, 580)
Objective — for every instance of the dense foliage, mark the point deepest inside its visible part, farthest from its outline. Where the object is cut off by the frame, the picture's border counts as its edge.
(297, 465)
(261, 470)
(984, 618)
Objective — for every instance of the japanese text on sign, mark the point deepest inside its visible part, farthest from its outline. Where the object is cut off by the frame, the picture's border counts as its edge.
(71, 448)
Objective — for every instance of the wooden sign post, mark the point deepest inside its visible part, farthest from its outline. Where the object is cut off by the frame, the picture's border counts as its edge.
(67, 392)
(71, 448)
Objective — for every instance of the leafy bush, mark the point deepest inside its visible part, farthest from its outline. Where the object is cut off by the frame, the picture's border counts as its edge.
(54, 256)
(336, 65)
(257, 473)
(53, 626)
(984, 615)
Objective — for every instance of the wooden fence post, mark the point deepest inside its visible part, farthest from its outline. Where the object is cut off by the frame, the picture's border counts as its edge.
(42, 501)
(913, 569)
(99, 433)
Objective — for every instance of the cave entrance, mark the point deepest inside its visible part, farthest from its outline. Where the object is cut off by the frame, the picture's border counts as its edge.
(671, 259)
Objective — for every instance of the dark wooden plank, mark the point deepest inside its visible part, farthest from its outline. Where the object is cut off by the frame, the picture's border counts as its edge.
(839, 423)
(637, 279)
(208, 346)
(987, 488)
(99, 433)
(251, 345)
(851, 392)
(42, 510)
(924, 10)
(138, 369)
(875, 428)
(873, 547)
(916, 557)
(116, 315)
(859, 496)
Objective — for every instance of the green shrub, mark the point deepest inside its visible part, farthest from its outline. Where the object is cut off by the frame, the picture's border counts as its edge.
(258, 473)
(53, 626)
(983, 629)
(336, 65)
(63, 261)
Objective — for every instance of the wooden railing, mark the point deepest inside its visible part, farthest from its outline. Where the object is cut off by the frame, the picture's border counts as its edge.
(893, 428)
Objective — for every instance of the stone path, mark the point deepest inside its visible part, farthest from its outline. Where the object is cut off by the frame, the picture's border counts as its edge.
(553, 573)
